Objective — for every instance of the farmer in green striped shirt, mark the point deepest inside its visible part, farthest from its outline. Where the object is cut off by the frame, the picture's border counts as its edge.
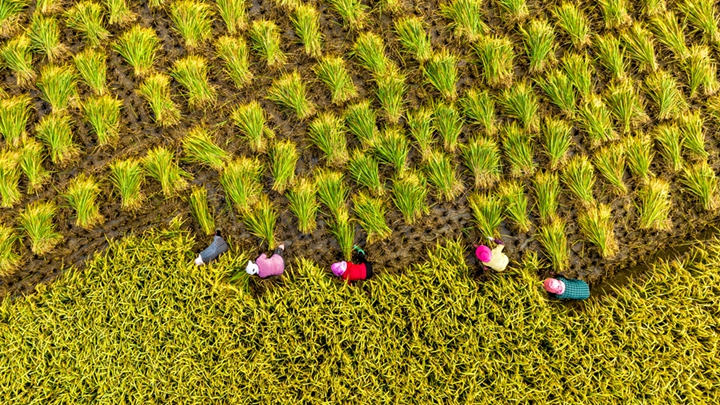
(567, 289)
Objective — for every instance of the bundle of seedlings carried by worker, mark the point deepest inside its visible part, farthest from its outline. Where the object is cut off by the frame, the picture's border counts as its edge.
(251, 122)
(156, 91)
(81, 193)
(241, 180)
(482, 156)
(596, 224)
(332, 72)
(191, 72)
(235, 55)
(128, 176)
(302, 198)
(200, 147)
(103, 115)
(55, 130)
(283, 158)
(139, 47)
(160, 164)
(92, 66)
(289, 91)
(410, 195)
(37, 221)
(327, 132)
(365, 170)
(371, 212)
(193, 21)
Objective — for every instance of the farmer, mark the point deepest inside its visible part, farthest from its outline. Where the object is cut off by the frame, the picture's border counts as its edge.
(495, 258)
(268, 266)
(567, 289)
(216, 248)
(352, 271)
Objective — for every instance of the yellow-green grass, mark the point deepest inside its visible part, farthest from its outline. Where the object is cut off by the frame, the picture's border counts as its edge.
(515, 203)
(670, 33)
(332, 72)
(92, 66)
(640, 47)
(251, 122)
(193, 21)
(410, 196)
(371, 212)
(654, 205)
(241, 181)
(81, 194)
(611, 55)
(554, 241)
(55, 130)
(306, 20)
(18, 58)
(233, 14)
(626, 105)
(289, 91)
(701, 14)
(615, 13)
(200, 210)
(391, 89)
(234, 53)
(670, 144)
(596, 224)
(161, 165)
(128, 176)
(260, 220)
(701, 71)
(441, 72)
(44, 33)
(465, 18)
(10, 259)
(199, 146)
(392, 148)
(488, 212)
(560, 90)
(639, 155)
(88, 19)
(283, 158)
(520, 102)
(539, 40)
(156, 91)
(572, 20)
(369, 49)
(439, 168)
(547, 190)
(103, 115)
(596, 121)
(302, 199)
(342, 228)
(579, 69)
(693, 133)
(32, 157)
(365, 170)
(139, 47)
(327, 132)
(482, 156)
(360, 120)
(265, 36)
(58, 86)
(332, 190)
(664, 91)
(414, 38)
(14, 116)
(9, 178)
(37, 221)
(10, 14)
(479, 107)
(191, 72)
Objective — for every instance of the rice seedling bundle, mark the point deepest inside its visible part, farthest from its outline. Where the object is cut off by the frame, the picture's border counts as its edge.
(103, 115)
(596, 121)
(241, 180)
(639, 155)
(369, 49)
(448, 123)
(200, 210)
(156, 91)
(392, 148)
(700, 181)
(702, 16)
(515, 201)
(250, 120)
(81, 194)
(283, 158)
(596, 224)
(479, 107)
(410, 196)
(31, 162)
(440, 171)
(92, 66)
(538, 38)
(579, 178)
(371, 216)
(518, 147)
(413, 38)
(701, 71)
(556, 140)
(160, 164)
(662, 87)
(303, 203)
(487, 209)
(520, 102)
(289, 91)
(260, 220)
(391, 88)
(191, 73)
(360, 120)
(10, 12)
(58, 85)
(547, 190)
(127, 176)
(332, 190)
(265, 36)
(233, 14)
(14, 116)
(343, 230)
(200, 147)
(9, 178)
(482, 157)
(560, 90)
(55, 130)
(327, 132)
(693, 134)
(611, 55)
(654, 205)
(442, 73)
(420, 123)
(513, 10)
(37, 221)
(364, 169)
(88, 19)
(288, 4)
(615, 13)
(306, 20)
(579, 70)
(352, 12)
(553, 239)
(572, 20)
(670, 33)
(465, 16)
(671, 145)
(496, 55)
(17, 56)
(139, 47)
(9, 258)
(332, 72)
(651, 8)
(44, 35)
(626, 105)
(640, 47)
(610, 162)
(234, 53)
(119, 12)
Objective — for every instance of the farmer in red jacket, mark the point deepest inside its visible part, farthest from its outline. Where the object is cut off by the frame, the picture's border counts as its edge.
(351, 271)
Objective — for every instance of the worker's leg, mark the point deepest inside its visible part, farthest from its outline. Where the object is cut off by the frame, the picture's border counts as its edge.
(279, 250)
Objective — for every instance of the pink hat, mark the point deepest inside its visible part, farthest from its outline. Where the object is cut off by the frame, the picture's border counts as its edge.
(483, 253)
(554, 286)
(338, 268)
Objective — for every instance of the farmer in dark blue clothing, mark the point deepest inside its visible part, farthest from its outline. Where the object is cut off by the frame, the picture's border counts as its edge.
(567, 289)
(216, 248)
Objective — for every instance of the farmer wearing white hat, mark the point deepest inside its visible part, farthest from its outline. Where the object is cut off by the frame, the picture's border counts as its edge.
(495, 258)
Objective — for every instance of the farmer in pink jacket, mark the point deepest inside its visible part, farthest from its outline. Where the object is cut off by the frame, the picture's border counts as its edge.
(268, 266)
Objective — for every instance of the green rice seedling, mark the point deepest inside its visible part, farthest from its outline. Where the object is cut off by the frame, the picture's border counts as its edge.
(515, 201)
(701, 71)
(410, 196)
(579, 177)
(364, 169)
(233, 14)
(626, 105)
(440, 170)
(610, 162)
(560, 90)
(191, 72)
(420, 123)
(119, 12)
(10, 12)
(9, 178)
(712, 106)
(496, 55)
(573, 21)
(391, 88)
(327, 132)
(37, 221)
(234, 53)
(580, 71)
(343, 230)
(553, 239)
(482, 157)
(691, 128)
(331, 70)
(88, 19)
(260, 221)
(654, 205)
(662, 87)
(611, 55)
(392, 148)
(371, 216)
(44, 35)
(157, 4)
(538, 37)
(103, 115)
(702, 16)
(81, 194)
(520, 102)
(597, 226)
(671, 145)
(139, 47)
(289, 5)
(241, 181)
(55, 130)
(250, 120)
(639, 155)
(265, 36)
(518, 147)
(547, 190)
(652, 8)
(352, 12)
(441, 72)
(615, 13)
(369, 49)
(448, 123)
(302, 198)
(31, 163)
(670, 33)
(360, 119)
(306, 20)
(14, 116)
(200, 147)
(93, 69)
(156, 91)
(58, 85)
(700, 180)
(487, 212)
(9, 258)
(479, 106)
(466, 18)
(127, 176)
(160, 164)
(557, 140)
(331, 189)
(289, 91)
(17, 56)
(639, 45)
(596, 121)
(283, 158)
(391, 6)
(514, 10)
(413, 38)
(200, 210)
